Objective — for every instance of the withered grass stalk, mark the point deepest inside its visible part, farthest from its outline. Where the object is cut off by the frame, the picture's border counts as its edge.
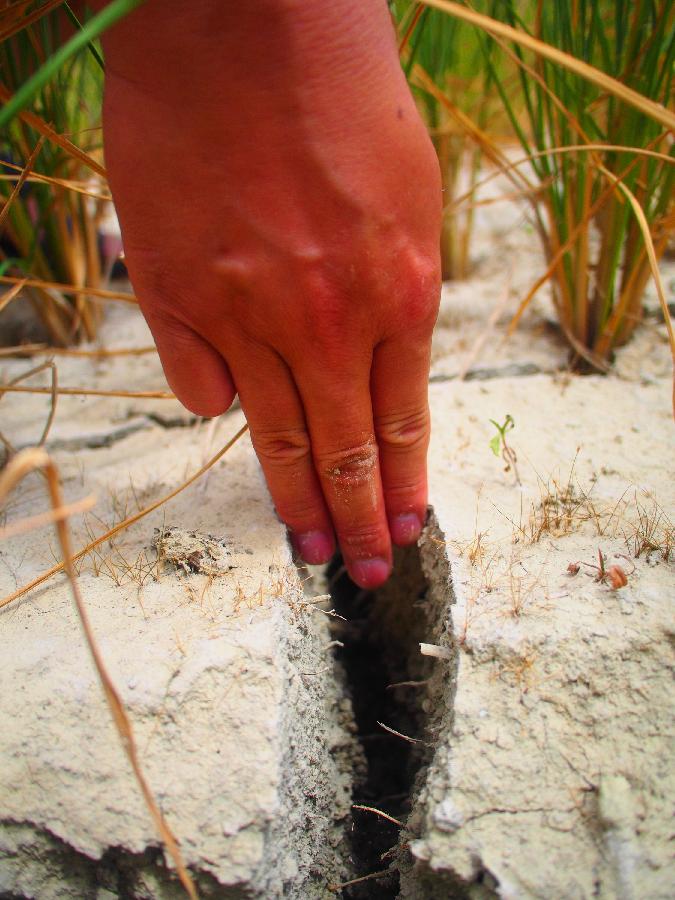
(21, 465)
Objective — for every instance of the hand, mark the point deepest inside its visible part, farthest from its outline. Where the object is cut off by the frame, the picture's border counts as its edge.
(280, 209)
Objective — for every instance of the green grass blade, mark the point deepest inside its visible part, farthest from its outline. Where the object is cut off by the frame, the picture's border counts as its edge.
(566, 60)
(93, 49)
(96, 26)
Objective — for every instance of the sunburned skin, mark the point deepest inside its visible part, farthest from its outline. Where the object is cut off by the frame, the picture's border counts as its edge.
(280, 207)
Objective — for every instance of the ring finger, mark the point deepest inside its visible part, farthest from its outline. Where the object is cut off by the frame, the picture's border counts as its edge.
(279, 433)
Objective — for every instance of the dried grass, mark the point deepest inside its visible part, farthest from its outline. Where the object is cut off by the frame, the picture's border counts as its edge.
(605, 82)
(59, 567)
(565, 508)
(86, 392)
(597, 291)
(23, 463)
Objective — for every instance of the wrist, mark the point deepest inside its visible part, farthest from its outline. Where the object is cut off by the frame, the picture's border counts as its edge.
(213, 53)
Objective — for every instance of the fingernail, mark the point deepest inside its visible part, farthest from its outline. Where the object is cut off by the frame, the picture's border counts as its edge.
(315, 547)
(405, 529)
(370, 573)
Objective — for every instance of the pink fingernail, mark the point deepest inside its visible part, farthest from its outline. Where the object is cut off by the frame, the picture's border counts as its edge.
(370, 573)
(315, 547)
(405, 529)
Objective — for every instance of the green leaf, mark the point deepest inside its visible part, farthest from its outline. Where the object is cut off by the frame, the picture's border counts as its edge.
(495, 444)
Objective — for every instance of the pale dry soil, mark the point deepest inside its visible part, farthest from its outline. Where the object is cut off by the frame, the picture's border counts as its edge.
(548, 715)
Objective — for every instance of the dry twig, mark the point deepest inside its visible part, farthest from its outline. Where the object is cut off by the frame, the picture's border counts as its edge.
(378, 812)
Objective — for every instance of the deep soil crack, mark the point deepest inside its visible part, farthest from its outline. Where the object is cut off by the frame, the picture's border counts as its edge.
(388, 680)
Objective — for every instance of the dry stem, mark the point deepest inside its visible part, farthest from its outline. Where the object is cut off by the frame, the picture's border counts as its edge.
(85, 392)
(23, 463)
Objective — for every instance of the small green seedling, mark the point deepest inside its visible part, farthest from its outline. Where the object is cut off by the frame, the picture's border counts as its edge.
(500, 446)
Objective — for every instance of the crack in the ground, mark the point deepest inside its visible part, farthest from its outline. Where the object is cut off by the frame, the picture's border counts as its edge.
(107, 439)
(397, 695)
(94, 441)
(513, 370)
(168, 422)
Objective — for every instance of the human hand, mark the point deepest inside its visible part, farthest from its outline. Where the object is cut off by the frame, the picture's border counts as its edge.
(280, 209)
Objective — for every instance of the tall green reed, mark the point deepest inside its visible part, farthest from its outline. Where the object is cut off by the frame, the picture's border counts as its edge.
(449, 54)
(593, 239)
(51, 86)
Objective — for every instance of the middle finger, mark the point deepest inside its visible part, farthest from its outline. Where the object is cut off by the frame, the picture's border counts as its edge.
(339, 418)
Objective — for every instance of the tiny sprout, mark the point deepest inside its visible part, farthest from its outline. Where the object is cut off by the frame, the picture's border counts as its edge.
(499, 439)
(499, 446)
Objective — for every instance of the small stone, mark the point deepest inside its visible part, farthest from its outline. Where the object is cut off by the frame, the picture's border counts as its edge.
(447, 817)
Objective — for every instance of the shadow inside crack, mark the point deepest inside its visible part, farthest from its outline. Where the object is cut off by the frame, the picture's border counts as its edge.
(387, 679)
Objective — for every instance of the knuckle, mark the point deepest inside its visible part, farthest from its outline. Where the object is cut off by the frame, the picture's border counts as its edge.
(425, 270)
(404, 495)
(422, 290)
(298, 511)
(403, 431)
(282, 449)
(363, 540)
(350, 467)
